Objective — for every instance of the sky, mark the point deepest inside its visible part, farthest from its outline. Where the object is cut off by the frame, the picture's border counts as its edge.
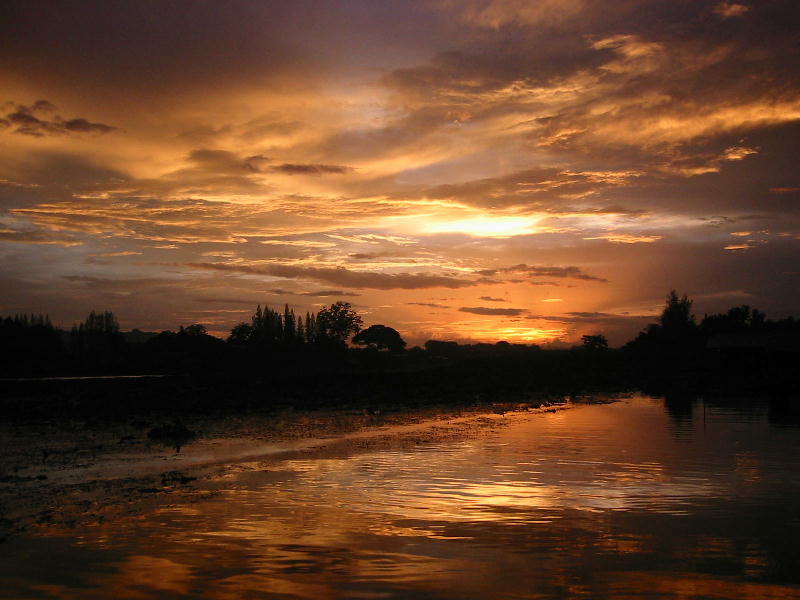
(472, 170)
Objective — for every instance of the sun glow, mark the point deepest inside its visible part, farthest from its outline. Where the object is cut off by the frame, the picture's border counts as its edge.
(487, 331)
(493, 227)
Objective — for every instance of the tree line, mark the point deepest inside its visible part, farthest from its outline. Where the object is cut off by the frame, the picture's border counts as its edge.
(32, 345)
(677, 346)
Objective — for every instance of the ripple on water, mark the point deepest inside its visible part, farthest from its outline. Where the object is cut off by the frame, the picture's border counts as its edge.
(610, 501)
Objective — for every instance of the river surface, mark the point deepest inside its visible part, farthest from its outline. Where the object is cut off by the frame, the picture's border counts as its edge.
(623, 500)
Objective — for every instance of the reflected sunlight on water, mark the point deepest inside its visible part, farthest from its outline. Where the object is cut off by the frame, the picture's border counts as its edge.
(606, 501)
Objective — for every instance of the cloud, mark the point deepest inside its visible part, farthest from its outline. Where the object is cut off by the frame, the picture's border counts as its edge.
(38, 236)
(547, 189)
(345, 277)
(311, 169)
(218, 160)
(726, 10)
(300, 243)
(327, 293)
(498, 13)
(487, 311)
(638, 97)
(225, 301)
(626, 238)
(600, 130)
(590, 317)
(428, 304)
(118, 253)
(490, 299)
(542, 271)
(133, 284)
(372, 255)
(38, 121)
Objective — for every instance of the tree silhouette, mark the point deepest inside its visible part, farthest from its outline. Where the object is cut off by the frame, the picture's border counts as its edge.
(29, 344)
(240, 334)
(270, 330)
(595, 342)
(311, 328)
(190, 349)
(677, 316)
(737, 319)
(670, 350)
(337, 323)
(97, 342)
(380, 337)
(289, 326)
(193, 330)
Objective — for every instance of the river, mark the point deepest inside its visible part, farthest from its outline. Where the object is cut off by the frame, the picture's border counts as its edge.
(622, 500)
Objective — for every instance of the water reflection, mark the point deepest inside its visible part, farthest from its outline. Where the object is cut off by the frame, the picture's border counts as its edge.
(596, 502)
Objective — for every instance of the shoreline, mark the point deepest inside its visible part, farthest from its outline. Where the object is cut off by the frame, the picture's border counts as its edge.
(72, 475)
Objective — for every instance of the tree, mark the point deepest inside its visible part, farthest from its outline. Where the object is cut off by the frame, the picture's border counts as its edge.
(671, 348)
(338, 322)
(29, 344)
(240, 334)
(194, 330)
(677, 313)
(289, 326)
(311, 328)
(595, 342)
(97, 342)
(380, 337)
(737, 319)
(270, 330)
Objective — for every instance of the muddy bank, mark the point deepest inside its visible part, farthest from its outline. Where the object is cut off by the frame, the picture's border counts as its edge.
(79, 472)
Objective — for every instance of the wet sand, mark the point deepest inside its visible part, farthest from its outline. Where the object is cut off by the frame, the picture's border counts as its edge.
(78, 473)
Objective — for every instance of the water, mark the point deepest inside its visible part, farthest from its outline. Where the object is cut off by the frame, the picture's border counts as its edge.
(627, 500)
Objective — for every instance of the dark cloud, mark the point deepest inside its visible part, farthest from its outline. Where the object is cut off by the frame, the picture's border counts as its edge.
(490, 299)
(37, 121)
(548, 189)
(60, 174)
(311, 169)
(219, 160)
(427, 304)
(504, 312)
(372, 255)
(592, 317)
(542, 271)
(84, 126)
(226, 301)
(346, 277)
(571, 272)
(209, 171)
(178, 50)
(405, 133)
(136, 49)
(108, 283)
(314, 294)
(38, 236)
(326, 293)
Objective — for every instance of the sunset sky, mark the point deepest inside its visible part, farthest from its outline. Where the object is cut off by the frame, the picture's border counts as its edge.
(457, 169)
